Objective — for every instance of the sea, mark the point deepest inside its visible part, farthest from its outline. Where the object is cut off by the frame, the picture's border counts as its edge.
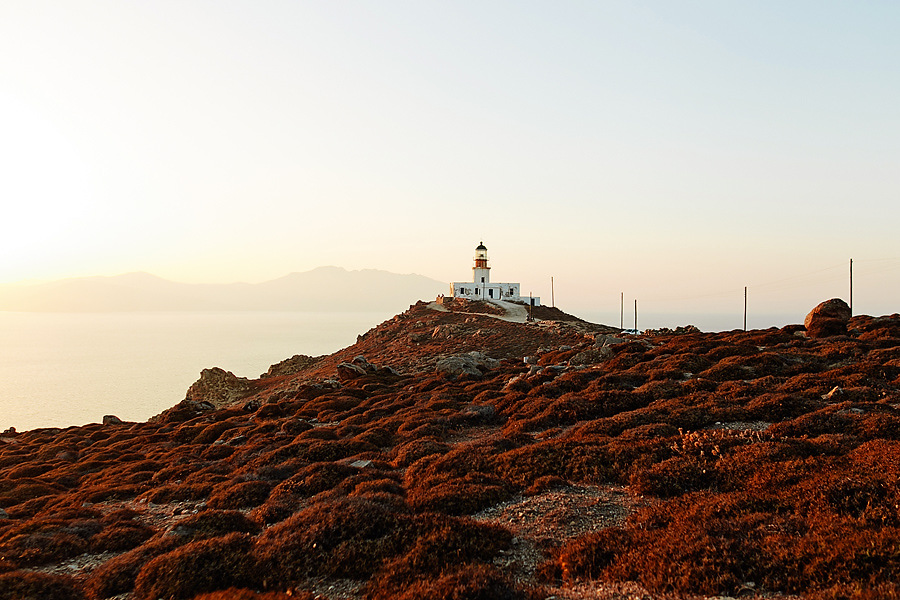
(65, 369)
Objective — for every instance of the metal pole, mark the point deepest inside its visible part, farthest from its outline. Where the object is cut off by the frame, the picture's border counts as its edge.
(552, 297)
(851, 287)
(635, 314)
(745, 308)
(622, 311)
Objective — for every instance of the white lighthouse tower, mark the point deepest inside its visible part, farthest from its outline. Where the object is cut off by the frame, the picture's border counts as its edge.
(481, 288)
(481, 272)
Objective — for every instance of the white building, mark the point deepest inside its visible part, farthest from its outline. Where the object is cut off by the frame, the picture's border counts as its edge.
(481, 287)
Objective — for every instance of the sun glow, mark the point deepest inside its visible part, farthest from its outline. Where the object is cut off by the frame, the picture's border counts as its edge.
(45, 190)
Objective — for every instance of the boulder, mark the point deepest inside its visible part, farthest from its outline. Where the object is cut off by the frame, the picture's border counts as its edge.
(361, 362)
(219, 388)
(484, 412)
(348, 371)
(827, 319)
(292, 365)
(603, 340)
(473, 364)
(111, 420)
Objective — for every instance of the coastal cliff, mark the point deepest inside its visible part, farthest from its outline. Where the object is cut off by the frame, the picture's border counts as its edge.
(459, 450)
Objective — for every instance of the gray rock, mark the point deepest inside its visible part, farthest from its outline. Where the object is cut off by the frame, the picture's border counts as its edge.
(361, 362)
(349, 371)
(607, 340)
(481, 411)
(292, 365)
(473, 364)
(218, 387)
(591, 356)
(111, 420)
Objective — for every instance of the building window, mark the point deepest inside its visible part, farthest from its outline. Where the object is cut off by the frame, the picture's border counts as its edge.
(476, 291)
(482, 280)
(491, 293)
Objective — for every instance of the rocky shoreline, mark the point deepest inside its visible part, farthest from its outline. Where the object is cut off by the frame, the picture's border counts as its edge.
(450, 453)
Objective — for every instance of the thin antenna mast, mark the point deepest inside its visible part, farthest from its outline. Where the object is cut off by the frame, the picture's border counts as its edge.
(745, 308)
(622, 311)
(851, 287)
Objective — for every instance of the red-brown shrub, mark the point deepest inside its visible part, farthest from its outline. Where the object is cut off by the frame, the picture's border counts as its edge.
(458, 496)
(121, 536)
(240, 495)
(117, 575)
(203, 566)
(586, 557)
(349, 537)
(245, 594)
(470, 582)
(212, 523)
(178, 492)
(23, 585)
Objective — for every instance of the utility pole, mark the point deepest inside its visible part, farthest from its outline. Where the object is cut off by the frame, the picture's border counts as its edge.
(622, 311)
(745, 308)
(635, 314)
(552, 297)
(851, 287)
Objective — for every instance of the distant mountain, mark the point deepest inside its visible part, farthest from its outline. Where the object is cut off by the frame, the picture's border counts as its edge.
(322, 289)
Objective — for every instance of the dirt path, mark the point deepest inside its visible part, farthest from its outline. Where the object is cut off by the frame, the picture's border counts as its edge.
(515, 313)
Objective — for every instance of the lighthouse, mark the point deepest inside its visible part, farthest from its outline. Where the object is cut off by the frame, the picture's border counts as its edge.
(481, 287)
(481, 272)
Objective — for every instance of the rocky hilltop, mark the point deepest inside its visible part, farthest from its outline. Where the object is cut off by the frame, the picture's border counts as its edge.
(460, 451)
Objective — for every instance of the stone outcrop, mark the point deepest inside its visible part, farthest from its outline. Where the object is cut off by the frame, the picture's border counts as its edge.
(360, 367)
(474, 364)
(219, 388)
(349, 372)
(827, 319)
(292, 365)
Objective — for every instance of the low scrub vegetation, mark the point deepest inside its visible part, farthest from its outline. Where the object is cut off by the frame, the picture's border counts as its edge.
(758, 462)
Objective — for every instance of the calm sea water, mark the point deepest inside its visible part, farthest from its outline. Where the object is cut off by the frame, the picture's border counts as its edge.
(62, 369)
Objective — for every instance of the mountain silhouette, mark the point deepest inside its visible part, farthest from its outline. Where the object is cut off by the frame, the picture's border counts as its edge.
(323, 289)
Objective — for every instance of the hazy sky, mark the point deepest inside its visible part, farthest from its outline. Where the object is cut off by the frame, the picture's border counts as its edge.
(673, 151)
